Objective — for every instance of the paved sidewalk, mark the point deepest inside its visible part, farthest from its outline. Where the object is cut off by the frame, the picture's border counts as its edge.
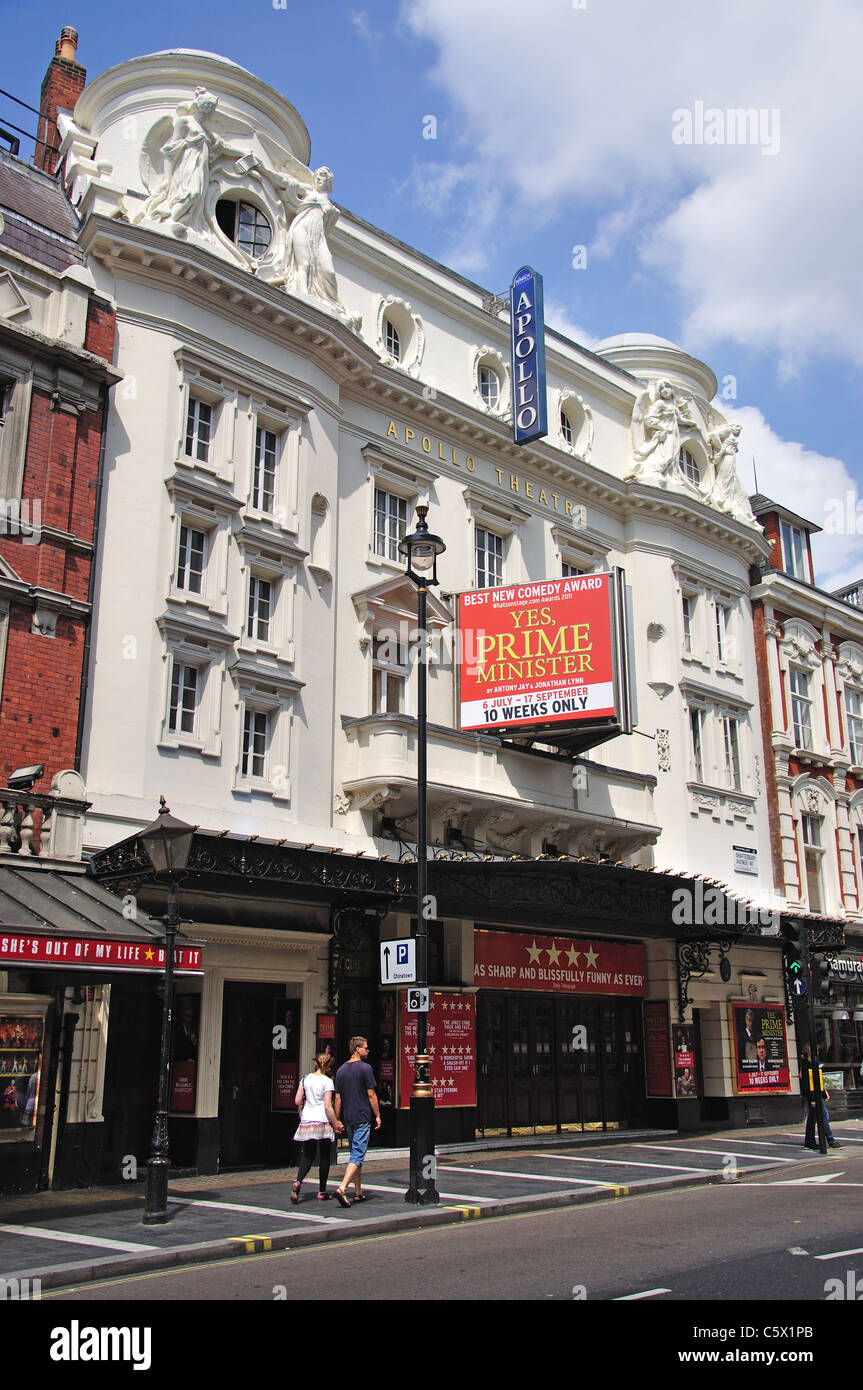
(69, 1238)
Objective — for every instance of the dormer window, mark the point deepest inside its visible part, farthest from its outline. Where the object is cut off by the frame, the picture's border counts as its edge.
(795, 556)
(392, 340)
(689, 467)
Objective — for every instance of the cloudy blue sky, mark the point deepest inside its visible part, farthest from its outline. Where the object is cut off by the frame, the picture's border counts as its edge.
(561, 124)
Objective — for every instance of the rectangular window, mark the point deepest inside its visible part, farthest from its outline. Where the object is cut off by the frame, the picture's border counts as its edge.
(191, 559)
(723, 618)
(391, 519)
(801, 707)
(813, 853)
(795, 559)
(571, 571)
(260, 608)
(199, 430)
(256, 728)
(854, 719)
(696, 728)
(731, 737)
(489, 559)
(6, 389)
(264, 479)
(184, 699)
(688, 604)
(389, 676)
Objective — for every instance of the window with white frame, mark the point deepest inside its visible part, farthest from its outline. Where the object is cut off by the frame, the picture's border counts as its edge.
(199, 429)
(391, 516)
(570, 571)
(731, 749)
(488, 552)
(390, 672)
(689, 467)
(489, 386)
(696, 735)
(392, 340)
(854, 722)
(795, 557)
(191, 559)
(265, 470)
(722, 620)
(813, 854)
(256, 742)
(688, 609)
(801, 706)
(184, 698)
(567, 433)
(260, 610)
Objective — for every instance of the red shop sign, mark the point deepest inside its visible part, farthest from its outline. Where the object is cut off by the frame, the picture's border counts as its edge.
(22, 949)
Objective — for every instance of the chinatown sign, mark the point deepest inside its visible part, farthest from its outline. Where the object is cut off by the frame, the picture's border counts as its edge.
(515, 960)
(549, 659)
(95, 953)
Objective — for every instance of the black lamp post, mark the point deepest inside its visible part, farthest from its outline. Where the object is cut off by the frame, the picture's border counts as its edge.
(168, 842)
(421, 550)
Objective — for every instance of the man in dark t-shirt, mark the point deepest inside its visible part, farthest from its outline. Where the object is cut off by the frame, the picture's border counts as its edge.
(356, 1102)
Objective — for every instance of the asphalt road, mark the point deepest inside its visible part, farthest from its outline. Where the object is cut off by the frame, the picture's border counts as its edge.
(770, 1237)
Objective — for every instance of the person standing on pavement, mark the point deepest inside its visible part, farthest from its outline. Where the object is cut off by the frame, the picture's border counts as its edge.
(318, 1126)
(356, 1102)
(808, 1092)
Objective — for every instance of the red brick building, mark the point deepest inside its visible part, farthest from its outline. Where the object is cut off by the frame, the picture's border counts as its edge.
(56, 346)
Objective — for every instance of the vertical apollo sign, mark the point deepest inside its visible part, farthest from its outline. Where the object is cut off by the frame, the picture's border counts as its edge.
(527, 331)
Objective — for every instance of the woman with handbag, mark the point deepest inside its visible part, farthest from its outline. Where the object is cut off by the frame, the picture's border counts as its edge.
(318, 1125)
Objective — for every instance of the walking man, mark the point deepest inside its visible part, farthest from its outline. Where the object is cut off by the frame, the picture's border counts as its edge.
(356, 1102)
(807, 1090)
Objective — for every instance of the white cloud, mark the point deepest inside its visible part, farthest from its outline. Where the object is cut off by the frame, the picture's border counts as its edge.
(815, 486)
(556, 108)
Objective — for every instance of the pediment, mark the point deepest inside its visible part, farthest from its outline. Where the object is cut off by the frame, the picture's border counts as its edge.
(398, 597)
(7, 572)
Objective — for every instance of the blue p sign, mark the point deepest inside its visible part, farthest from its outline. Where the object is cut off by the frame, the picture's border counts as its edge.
(402, 953)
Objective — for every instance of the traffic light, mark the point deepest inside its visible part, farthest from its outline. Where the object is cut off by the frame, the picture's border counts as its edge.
(820, 978)
(794, 945)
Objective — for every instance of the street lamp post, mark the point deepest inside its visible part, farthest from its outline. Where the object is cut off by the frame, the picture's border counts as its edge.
(168, 842)
(421, 550)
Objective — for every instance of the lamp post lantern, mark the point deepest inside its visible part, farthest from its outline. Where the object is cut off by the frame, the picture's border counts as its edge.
(168, 842)
(421, 550)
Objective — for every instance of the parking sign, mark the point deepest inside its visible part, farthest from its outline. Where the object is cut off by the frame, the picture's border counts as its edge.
(398, 962)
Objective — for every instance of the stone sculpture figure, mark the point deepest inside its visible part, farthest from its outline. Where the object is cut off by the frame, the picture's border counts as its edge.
(181, 196)
(306, 265)
(655, 434)
(728, 495)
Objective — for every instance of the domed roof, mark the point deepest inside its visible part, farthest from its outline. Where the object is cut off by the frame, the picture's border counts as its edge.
(634, 340)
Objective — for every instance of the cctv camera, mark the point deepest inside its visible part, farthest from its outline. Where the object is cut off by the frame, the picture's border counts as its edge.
(25, 778)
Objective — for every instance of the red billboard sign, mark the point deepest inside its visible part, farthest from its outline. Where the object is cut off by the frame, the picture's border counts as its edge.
(451, 1045)
(760, 1048)
(547, 658)
(515, 960)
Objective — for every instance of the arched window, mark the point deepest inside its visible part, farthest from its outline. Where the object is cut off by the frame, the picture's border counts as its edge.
(244, 225)
(392, 340)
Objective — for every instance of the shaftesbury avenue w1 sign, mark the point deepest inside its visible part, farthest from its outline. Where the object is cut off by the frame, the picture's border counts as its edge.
(548, 660)
(527, 328)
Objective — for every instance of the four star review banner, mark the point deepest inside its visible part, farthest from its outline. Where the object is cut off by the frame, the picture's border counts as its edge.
(545, 656)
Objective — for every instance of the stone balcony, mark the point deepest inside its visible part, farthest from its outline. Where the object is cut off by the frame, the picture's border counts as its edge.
(33, 825)
(507, 799)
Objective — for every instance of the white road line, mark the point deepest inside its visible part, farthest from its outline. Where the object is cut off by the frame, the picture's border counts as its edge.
(623, 1163)
(717, 1153)
(840, 1254)
(648, 1293)
(456, 1196)
(530, 1177)
(44, 1233)
(252, 1211)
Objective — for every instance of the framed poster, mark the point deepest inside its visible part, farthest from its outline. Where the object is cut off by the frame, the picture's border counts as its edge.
(325, 1037)
(685, 1078)
(451, 1045)
(286, 1053)
(21, 1047)
(184, 1052)
(657, 1047)
(759, 1043)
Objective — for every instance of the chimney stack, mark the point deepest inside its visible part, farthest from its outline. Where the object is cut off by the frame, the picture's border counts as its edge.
(61, 87)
